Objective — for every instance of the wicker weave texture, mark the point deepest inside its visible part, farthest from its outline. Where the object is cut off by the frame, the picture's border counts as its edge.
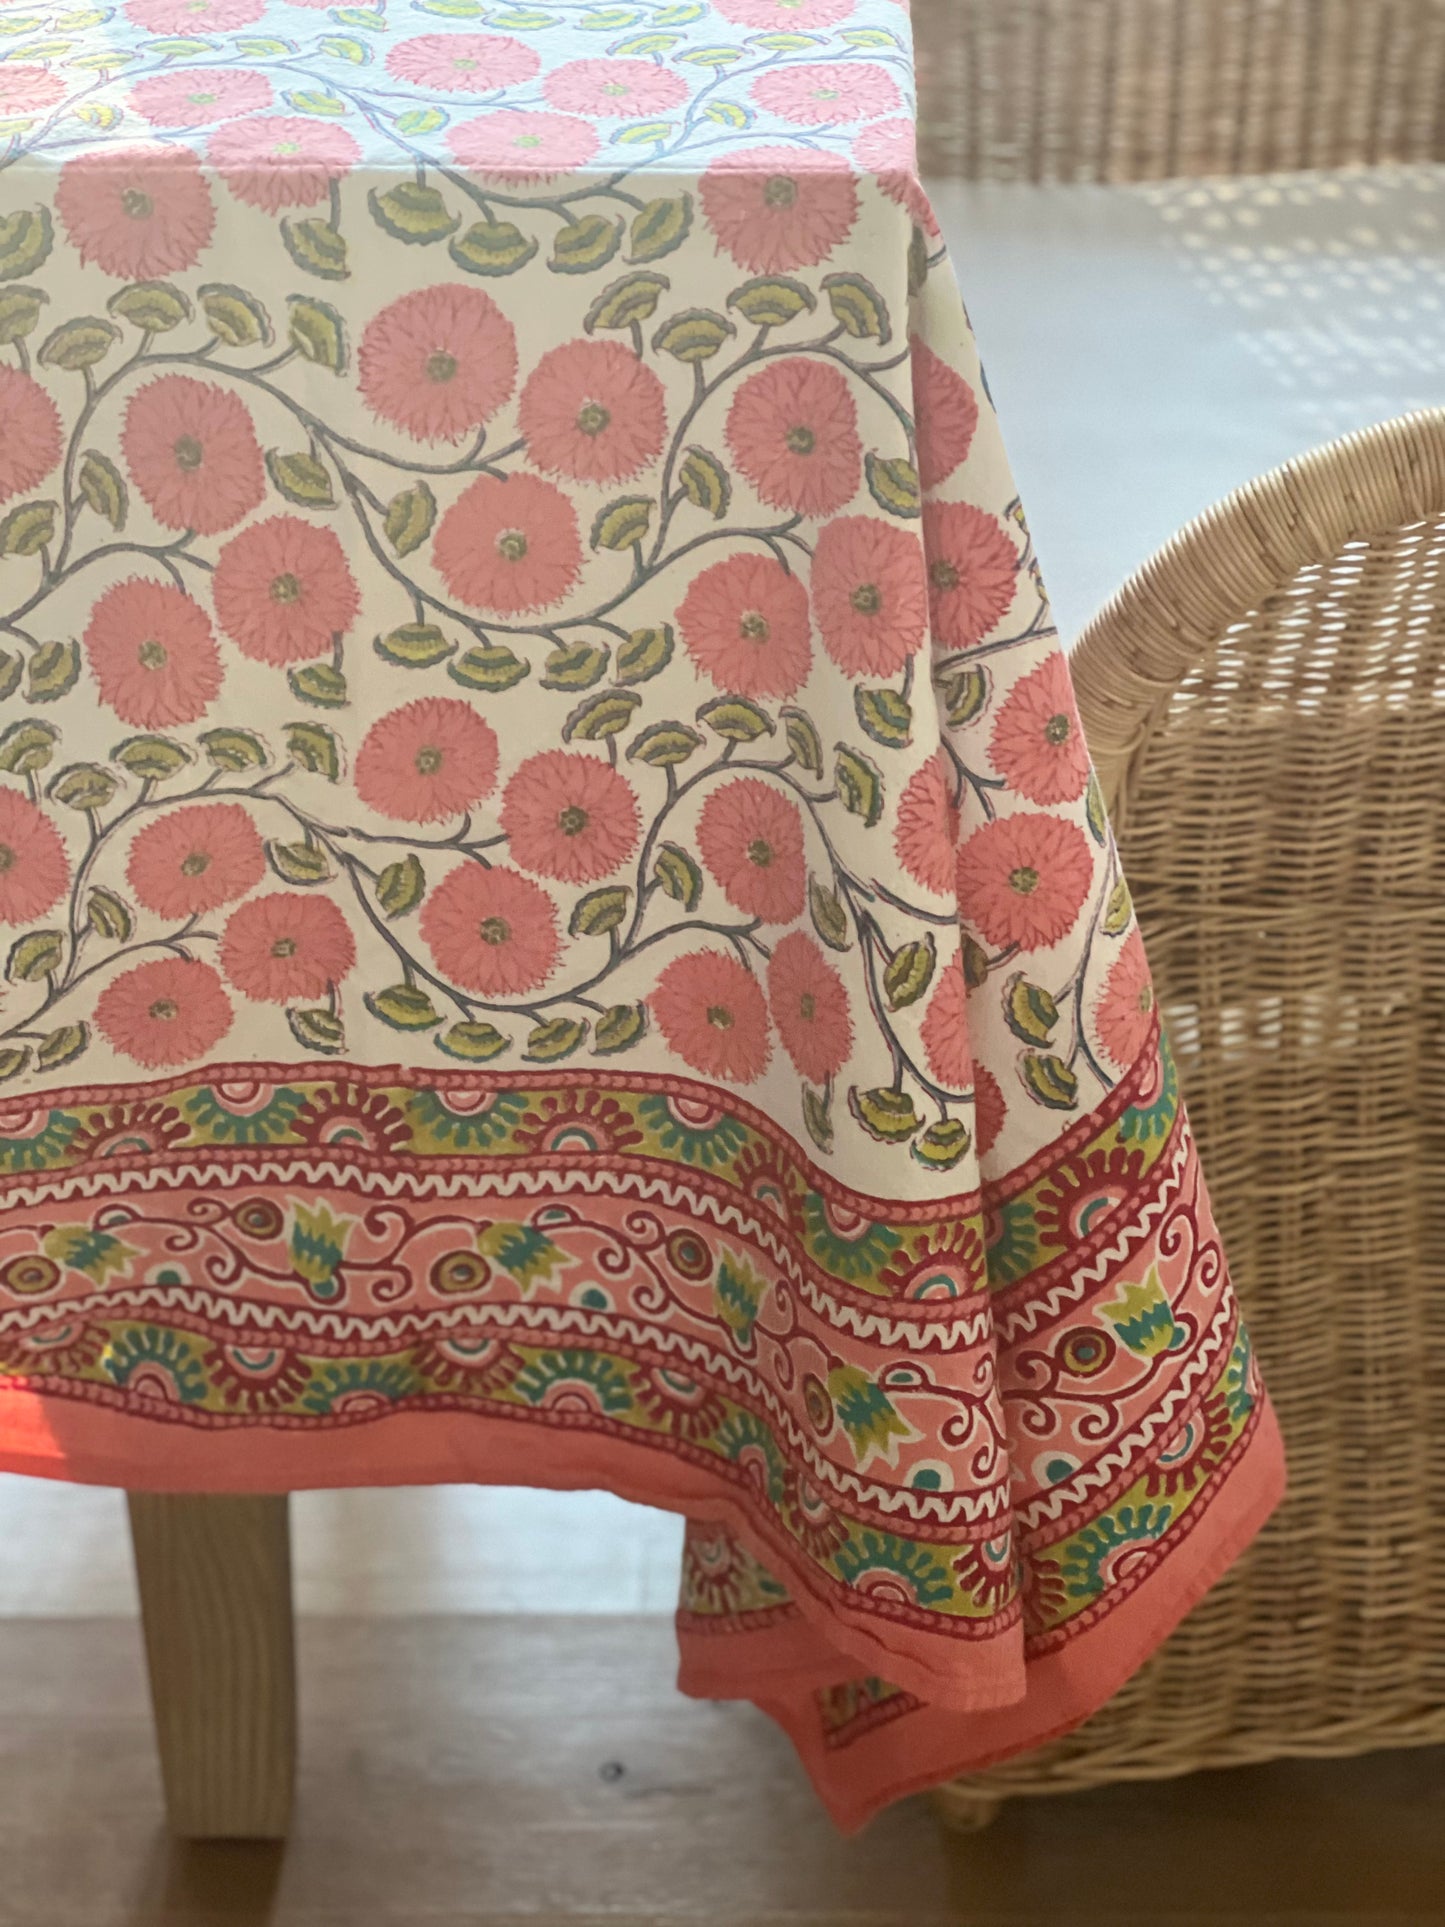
(1131, 90)
(1266, 706)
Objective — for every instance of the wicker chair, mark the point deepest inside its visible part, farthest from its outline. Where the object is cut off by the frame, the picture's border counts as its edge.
(1131, 90)
(1265, 701)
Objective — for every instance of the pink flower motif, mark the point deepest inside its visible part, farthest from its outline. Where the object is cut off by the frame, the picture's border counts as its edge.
(751, 839)
(170, 1011)
(947, 1045)
(1022, 880)
(191, 861)
(439, 362)
(273, 161)
(973, 571)
(516, 146)
(462, 63)
(775, 208)
(427, 761)
(1038, 744)
(925, 835)
(945, 411)
(793, 431)
(810, 1008)
(570, 816)
(990, 1112)
(193, 452)
(623, 89)
(509, 545)
(1124, 1013)
(745, 624)
(824, 93)
(28, 90)
(491, 930)
(34, 870)
(199, 97)
(593, 412)
(136, 211)
(287, 946)
(152, 654)
(31, 444)
(712, 1012)
(283, 590)
(889, 151)
(194, 16)
(784, 16)
(870, 594)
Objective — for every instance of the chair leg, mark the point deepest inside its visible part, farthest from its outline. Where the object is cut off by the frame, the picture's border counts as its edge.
(962, 1810)
(215, 1588)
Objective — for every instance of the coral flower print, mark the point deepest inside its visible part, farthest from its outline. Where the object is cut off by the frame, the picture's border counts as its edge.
(492, 931)
(462, 63)
(34, 870)
(439, 362)
(826, 92)
(287, 946)
(193, 452)
(810, 1008)
(518, 146)
(972, 572)
(945, 411)
(925, 836)
(793, 431)
(198, 97)
(1037, 744)
(273, 161)
(28, 90)
(1022, 880)
(170, 1011)
(31, 443)
(427, 761)
(1124, 1014)
(625, 89)
(509, 545)
(712, 1011)
(283, 590)
(593, 412)
(751, 839)
(745, 624)
(775, 208)
(190, 861)
(797, 16)
(990, 1112)
(947, 1049)
(570, 816)
(153, 654)
(194, 16)
(136, 212)
(889, 151)
(870, 594)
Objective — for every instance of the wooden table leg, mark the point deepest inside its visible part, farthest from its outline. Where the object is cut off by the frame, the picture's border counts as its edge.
(215, 1587)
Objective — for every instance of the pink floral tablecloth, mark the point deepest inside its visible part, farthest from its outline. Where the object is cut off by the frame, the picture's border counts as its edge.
(559, 925)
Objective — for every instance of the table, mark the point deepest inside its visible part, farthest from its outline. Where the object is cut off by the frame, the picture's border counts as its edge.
(561, 928)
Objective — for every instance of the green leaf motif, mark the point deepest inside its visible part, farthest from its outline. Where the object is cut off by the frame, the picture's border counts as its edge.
(317, 332)
(772, 300)
(736, 719)
(619, 1028)
(1031, 1013)
(415, 645)
(301, 479)
(804, 740)
(909, 972)
(645, 654)
(884, 715)
(965, 694)
(109, 916)
(103, 488)
(403, 1007)
(858, 307)
(155, 307)
(1050, 1081)
(1119, 911)
(664, 745)
(319, 683)
(236, 318)
(886, 1115)
(660, 227)
(679, 875)
(341, 46)
(420, 120)
(35, 956)
(575, 665)
(410, 517)
(624, 303)
(697, 334)
(61, 1046)
(401, 886)
(473, 1043)
(942, 1145)
(704, 481)
(860, 784)
(830, 919)
(20, 313)
(893, 484)
(53, 671)
(12, 673)
(1094, 809)
(495, 667)
(314, 748)
(317, 248)
(80, 344)
(12, 1061)
(413, 212)
(622, 524)
(233, 749)
(26, 238)
(492, 248)
(312, 100)
(917, 261)
(645, 133)
(28, 529)
(600, 716)
(559, 1037)
(817, 1115)
(27, 747)
(599, 911)
(586, 244)
(318, 1029)
(151, 758)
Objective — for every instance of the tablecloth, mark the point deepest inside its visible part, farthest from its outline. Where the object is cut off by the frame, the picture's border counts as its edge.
(560, 927)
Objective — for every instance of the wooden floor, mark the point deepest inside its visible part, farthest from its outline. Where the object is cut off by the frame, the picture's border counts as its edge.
(495, 1771)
